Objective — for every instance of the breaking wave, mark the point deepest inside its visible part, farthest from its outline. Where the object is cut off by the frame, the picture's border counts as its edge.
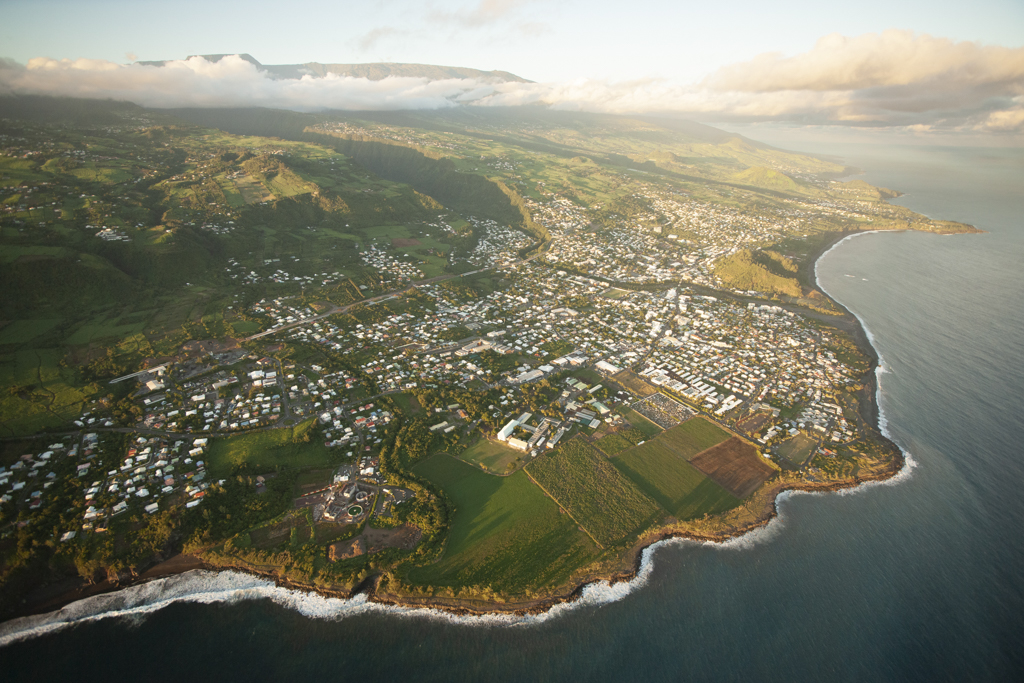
(909, 463)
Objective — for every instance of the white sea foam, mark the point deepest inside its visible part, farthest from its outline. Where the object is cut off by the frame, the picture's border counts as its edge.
(909, 464)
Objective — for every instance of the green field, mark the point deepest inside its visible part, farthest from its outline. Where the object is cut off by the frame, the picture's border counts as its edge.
(693, 436)
(505, 533)
(640, 422)
(601, 498)
(493, 456)
(39, 393)
(22, 331)
(672, 482)
(266, 450)
(617, 442)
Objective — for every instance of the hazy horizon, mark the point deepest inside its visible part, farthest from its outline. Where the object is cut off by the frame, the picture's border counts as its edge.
(917, 71)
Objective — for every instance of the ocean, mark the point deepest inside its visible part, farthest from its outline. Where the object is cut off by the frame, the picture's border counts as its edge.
(917, 578)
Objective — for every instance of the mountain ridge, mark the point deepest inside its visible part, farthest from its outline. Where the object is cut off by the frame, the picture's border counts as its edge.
(374, 71)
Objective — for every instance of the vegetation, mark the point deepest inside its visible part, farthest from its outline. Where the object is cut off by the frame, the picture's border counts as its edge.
(693, 436)
(269, 450)
(604, 502)
(506, 536)
(760, 271)
(672, 482)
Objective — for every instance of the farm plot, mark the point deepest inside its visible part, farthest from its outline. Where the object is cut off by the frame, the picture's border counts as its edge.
(603, 500)
(672, 482)
(505, 534)
(693, 436)
(735, 466)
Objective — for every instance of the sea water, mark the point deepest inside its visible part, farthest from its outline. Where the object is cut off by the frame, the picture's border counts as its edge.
(916, 579)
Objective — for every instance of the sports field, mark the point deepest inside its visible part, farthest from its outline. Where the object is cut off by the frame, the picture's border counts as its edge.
(795, 451)
(493, 456)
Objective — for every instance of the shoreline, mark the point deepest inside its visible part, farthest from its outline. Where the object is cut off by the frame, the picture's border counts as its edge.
(61, 594)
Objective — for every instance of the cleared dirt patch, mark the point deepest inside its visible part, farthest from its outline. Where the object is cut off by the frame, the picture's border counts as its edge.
(735, 466)
(405, 242)
(754, 423)
(632, 382)
(405, 537)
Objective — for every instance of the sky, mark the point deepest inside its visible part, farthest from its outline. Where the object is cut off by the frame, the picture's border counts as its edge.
(921, 67)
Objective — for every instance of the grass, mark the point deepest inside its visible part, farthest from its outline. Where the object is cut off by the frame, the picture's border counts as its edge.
(270, 449)
(22, 331)
(672, 482)
(640, 422)
(408, 403)
(40, 393)
(693, 436)
(796, 450)
(505, 534)
(613, 444)
(607, 504)
(493, 456)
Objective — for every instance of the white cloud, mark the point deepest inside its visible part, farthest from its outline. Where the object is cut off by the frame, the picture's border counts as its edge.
(896, 78)
(231, 81)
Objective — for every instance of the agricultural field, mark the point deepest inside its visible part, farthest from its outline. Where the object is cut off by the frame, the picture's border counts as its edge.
(493, 456)
(638, 421)
(619, 441)
(267, 450)
(672, 482)
(607, 504)
(632, 382)
(795, 451)
(693, 436)
(735, 466)
(505, 535)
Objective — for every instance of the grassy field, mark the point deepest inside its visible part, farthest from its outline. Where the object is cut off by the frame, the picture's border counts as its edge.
(493, 456)
(506, 535)
(693, 436)
(598, 496)
(408, 403)
(23, 331)
(672, 482)
(796, 450)
(266, 450)
(39, 393)
(640, 422)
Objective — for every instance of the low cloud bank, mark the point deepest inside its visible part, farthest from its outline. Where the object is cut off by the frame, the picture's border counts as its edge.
(896, 78)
